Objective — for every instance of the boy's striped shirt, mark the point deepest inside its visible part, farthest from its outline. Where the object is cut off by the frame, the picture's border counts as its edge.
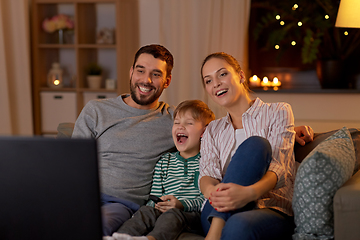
(177, 176)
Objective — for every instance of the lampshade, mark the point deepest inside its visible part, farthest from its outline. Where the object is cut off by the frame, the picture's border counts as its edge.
(348, 14)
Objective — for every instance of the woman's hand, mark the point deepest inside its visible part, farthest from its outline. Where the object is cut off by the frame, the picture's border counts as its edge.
(230, 196)
(169, 201)
(208, 185)
(304, 134)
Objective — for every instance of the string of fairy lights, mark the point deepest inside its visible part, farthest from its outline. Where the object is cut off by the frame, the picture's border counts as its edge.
(265, 83)
(282, 23)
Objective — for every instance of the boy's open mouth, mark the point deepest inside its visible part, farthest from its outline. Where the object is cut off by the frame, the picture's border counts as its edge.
(181, 138)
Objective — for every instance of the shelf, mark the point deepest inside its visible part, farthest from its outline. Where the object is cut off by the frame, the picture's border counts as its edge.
(97, 46)
(305, 90)
(84, 45)
(48, 89)
(82, 90)
(56, 46)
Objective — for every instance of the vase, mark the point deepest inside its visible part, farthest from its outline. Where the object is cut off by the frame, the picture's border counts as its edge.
(332, 74)
(61, 36)
(94, 81)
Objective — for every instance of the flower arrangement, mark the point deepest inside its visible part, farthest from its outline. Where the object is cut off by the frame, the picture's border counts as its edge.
(57, 22)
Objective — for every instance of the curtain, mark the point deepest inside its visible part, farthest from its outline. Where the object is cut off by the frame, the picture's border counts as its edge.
(15, 76)
(192, 29)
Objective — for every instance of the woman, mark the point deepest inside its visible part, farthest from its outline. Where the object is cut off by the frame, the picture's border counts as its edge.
(247, 166)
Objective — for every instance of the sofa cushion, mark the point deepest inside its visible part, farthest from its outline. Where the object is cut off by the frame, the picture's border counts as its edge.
(302, 151)
(319, 176)
(65, 130)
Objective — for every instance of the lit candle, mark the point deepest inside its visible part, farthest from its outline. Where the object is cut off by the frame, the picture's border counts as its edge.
(276, 82)
(265, 82)
(254, 81)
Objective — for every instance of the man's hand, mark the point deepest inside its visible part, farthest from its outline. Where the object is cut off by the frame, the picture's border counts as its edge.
(169, 201)
(304, 134)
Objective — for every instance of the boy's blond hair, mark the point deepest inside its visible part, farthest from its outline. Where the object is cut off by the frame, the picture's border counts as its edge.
(199, 110)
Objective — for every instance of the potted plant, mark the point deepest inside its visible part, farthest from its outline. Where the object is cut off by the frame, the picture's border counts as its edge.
(310, 23)
(94, 78)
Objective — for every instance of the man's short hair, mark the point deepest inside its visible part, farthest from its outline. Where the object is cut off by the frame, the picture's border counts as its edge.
(157, 51)
(199, 110)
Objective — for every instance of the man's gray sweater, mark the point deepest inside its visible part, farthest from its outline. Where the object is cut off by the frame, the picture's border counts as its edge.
(130, 142)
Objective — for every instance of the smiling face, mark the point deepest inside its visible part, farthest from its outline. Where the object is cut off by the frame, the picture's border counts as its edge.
(222, 82)
(147, 81)
(186, 133)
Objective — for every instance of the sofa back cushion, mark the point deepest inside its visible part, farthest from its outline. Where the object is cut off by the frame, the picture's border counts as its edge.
(327, 167)
(302, 151)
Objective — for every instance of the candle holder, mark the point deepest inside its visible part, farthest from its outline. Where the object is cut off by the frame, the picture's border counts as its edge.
(55, 76)
(254, 81)
(266, 84)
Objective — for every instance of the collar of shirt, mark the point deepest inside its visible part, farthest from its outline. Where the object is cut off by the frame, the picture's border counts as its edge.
(253, 111)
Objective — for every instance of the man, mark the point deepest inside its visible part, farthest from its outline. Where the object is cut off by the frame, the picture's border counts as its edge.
(132, 132)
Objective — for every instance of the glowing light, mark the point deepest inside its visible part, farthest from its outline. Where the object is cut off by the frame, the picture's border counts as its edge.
(327, 16)
(295, 7)
(254, 81)
(282, 23)
(276, 82)
(56, 82)
(277, 17)
(299, 24)
(346, 33)
(277, 46)
(293, 43)
(265, 83)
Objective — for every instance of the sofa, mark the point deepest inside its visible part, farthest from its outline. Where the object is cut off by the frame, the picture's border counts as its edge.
(342, 219)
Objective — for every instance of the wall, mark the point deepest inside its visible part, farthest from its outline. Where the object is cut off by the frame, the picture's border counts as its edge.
(322, 111)
(15, 74)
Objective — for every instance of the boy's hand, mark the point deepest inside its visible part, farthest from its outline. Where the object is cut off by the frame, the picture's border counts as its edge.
(169, 201)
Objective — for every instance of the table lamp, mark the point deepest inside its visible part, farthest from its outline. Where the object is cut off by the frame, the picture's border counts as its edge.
(348, 14)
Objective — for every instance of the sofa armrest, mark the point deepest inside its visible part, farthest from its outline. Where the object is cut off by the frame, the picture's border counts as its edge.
(65, 130)
(347, 210)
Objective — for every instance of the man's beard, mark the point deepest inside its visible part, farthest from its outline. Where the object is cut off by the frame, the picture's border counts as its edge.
(144, 100)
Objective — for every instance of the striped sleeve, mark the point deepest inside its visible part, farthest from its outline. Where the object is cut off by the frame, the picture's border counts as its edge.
(210, 156)
(193, 205)
(281, 137)
(159, 175)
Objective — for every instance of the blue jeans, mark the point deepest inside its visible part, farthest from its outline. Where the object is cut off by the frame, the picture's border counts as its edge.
(114, 212)
(248, 165)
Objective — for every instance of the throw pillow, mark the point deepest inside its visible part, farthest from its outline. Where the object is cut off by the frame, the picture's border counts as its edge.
(319, 176)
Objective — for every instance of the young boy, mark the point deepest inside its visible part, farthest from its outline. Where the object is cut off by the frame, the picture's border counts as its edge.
(175, 181)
